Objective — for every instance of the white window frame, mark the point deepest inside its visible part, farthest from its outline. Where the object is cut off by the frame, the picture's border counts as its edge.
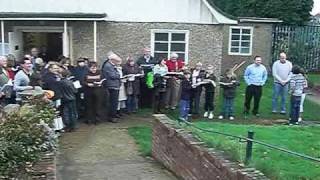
(251, 40)
(170, 31)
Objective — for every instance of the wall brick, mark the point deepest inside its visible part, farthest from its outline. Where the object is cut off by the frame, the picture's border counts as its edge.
(190, 159)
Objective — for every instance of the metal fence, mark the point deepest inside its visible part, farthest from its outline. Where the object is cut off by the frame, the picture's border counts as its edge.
(250, 141)
(301, 43)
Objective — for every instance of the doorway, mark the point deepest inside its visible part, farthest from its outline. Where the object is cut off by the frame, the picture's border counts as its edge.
(49, 44)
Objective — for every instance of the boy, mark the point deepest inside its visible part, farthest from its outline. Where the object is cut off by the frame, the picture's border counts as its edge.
(186, 88)
(229, 85)
(297, 84)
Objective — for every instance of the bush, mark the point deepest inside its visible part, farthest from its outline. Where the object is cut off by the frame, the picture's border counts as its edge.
(24, 135)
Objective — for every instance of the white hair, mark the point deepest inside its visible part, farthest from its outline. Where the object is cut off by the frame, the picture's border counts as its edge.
(174, 55)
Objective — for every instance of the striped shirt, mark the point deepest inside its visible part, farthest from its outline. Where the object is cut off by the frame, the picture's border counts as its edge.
(297, 83)
(90, 78)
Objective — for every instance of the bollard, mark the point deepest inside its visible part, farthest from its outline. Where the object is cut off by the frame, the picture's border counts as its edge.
(249, 147)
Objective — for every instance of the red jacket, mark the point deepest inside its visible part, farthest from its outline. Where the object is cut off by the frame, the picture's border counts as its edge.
(174, 66)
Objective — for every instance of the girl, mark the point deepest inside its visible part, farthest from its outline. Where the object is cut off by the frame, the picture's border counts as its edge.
(160, 85)
(210, 78)
(197, 75)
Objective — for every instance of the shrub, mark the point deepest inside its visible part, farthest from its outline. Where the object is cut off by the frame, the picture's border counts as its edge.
(24, 135)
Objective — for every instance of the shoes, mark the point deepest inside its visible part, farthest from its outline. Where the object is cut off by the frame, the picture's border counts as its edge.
(173, 108)
(189, 115)
(274, 112)
(231, 118)
(257, 115)
(113, 121)
(220, 117)
(299, 119)
(283, 112)
(211, 115)
(206, 114)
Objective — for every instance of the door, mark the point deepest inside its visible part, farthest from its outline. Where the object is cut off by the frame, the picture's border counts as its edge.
(16, 44)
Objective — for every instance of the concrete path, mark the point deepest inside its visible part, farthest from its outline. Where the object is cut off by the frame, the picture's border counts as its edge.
(106, 152)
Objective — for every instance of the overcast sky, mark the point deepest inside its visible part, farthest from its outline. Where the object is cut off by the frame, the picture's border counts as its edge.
(316, 7)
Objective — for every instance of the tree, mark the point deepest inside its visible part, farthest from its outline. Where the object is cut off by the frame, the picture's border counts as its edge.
(290, 11)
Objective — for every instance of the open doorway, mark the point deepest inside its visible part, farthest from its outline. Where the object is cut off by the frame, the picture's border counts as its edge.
(49, 44)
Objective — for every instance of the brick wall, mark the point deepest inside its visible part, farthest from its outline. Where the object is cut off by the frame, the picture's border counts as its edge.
(189, 159)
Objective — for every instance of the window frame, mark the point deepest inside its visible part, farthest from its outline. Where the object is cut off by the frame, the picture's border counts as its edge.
(241, 28)
(170, 32)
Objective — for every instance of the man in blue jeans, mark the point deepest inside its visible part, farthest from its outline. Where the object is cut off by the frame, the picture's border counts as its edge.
(281, 70)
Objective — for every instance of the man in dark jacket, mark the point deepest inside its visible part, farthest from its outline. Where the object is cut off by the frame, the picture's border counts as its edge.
(146, 62)
(79, 73)
(112, 83)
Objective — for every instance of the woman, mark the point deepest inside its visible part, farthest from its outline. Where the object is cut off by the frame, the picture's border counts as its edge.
(160, 85)
(197, 76)
(133, 71)
(93, 94)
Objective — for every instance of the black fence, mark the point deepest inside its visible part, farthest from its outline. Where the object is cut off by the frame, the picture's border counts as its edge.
(250, 141)
(301, 43)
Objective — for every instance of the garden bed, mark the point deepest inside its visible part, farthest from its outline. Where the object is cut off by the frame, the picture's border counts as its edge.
(27, 143)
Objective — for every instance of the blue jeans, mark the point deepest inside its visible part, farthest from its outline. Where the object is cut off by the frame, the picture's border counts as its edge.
(228, 110)
(70, 114)
(131, 103)
(282, 91)
(184, 107)
(295, 108)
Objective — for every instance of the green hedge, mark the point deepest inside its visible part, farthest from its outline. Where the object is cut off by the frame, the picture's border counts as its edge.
(24, 135)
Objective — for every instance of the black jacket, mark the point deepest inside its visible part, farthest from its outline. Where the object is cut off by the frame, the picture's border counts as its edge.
(51, 82)
(209, 87)
(67, 90)
(186, 89)
(229, 91)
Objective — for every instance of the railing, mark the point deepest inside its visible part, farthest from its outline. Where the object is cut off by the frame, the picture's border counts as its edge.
(250, 141)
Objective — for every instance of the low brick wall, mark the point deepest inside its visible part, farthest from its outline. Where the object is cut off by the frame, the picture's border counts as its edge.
(190, 159)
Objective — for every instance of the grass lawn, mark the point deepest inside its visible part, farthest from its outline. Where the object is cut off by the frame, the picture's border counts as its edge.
(314, 78)
(274, 164)
(311, 109)
(142, 136)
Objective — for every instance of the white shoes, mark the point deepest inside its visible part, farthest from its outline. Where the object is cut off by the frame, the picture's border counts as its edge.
(206, 114)
(231, 118)
(299, 119)
(211, 115)
(220, 117)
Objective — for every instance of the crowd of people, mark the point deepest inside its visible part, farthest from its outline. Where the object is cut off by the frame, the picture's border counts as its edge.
(89, 91)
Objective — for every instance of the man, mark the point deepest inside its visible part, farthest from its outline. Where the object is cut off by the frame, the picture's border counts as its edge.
(4, 76)
(146, 63)
(281, 70)
(34, 55)
(21, 79)
(112, 83)
(79, 73)
(255, 76)
(173, 84)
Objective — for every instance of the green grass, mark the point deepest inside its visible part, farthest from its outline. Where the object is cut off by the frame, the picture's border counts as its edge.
(265, 108)
(314, 79)
(274, 164)
(142, 136)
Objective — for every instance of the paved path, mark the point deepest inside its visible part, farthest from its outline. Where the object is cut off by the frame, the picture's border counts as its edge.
(106, 152)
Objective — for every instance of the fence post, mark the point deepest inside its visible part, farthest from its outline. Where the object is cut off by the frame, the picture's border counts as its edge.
(249, 147)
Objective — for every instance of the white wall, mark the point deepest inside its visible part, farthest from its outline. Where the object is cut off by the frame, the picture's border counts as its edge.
(188, 11)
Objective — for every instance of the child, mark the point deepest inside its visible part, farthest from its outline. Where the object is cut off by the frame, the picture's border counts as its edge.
(197, 76)
(122, 93)
(209, 92)
(297, 84)
(186, 88)
(68, 100)
(160, 85)
(303, 96)
(229, 85)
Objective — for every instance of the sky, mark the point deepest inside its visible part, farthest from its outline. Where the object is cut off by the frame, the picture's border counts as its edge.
(316, 7)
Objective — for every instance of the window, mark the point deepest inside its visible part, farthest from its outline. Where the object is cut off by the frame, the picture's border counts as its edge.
(240, 41)
(165, 42)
